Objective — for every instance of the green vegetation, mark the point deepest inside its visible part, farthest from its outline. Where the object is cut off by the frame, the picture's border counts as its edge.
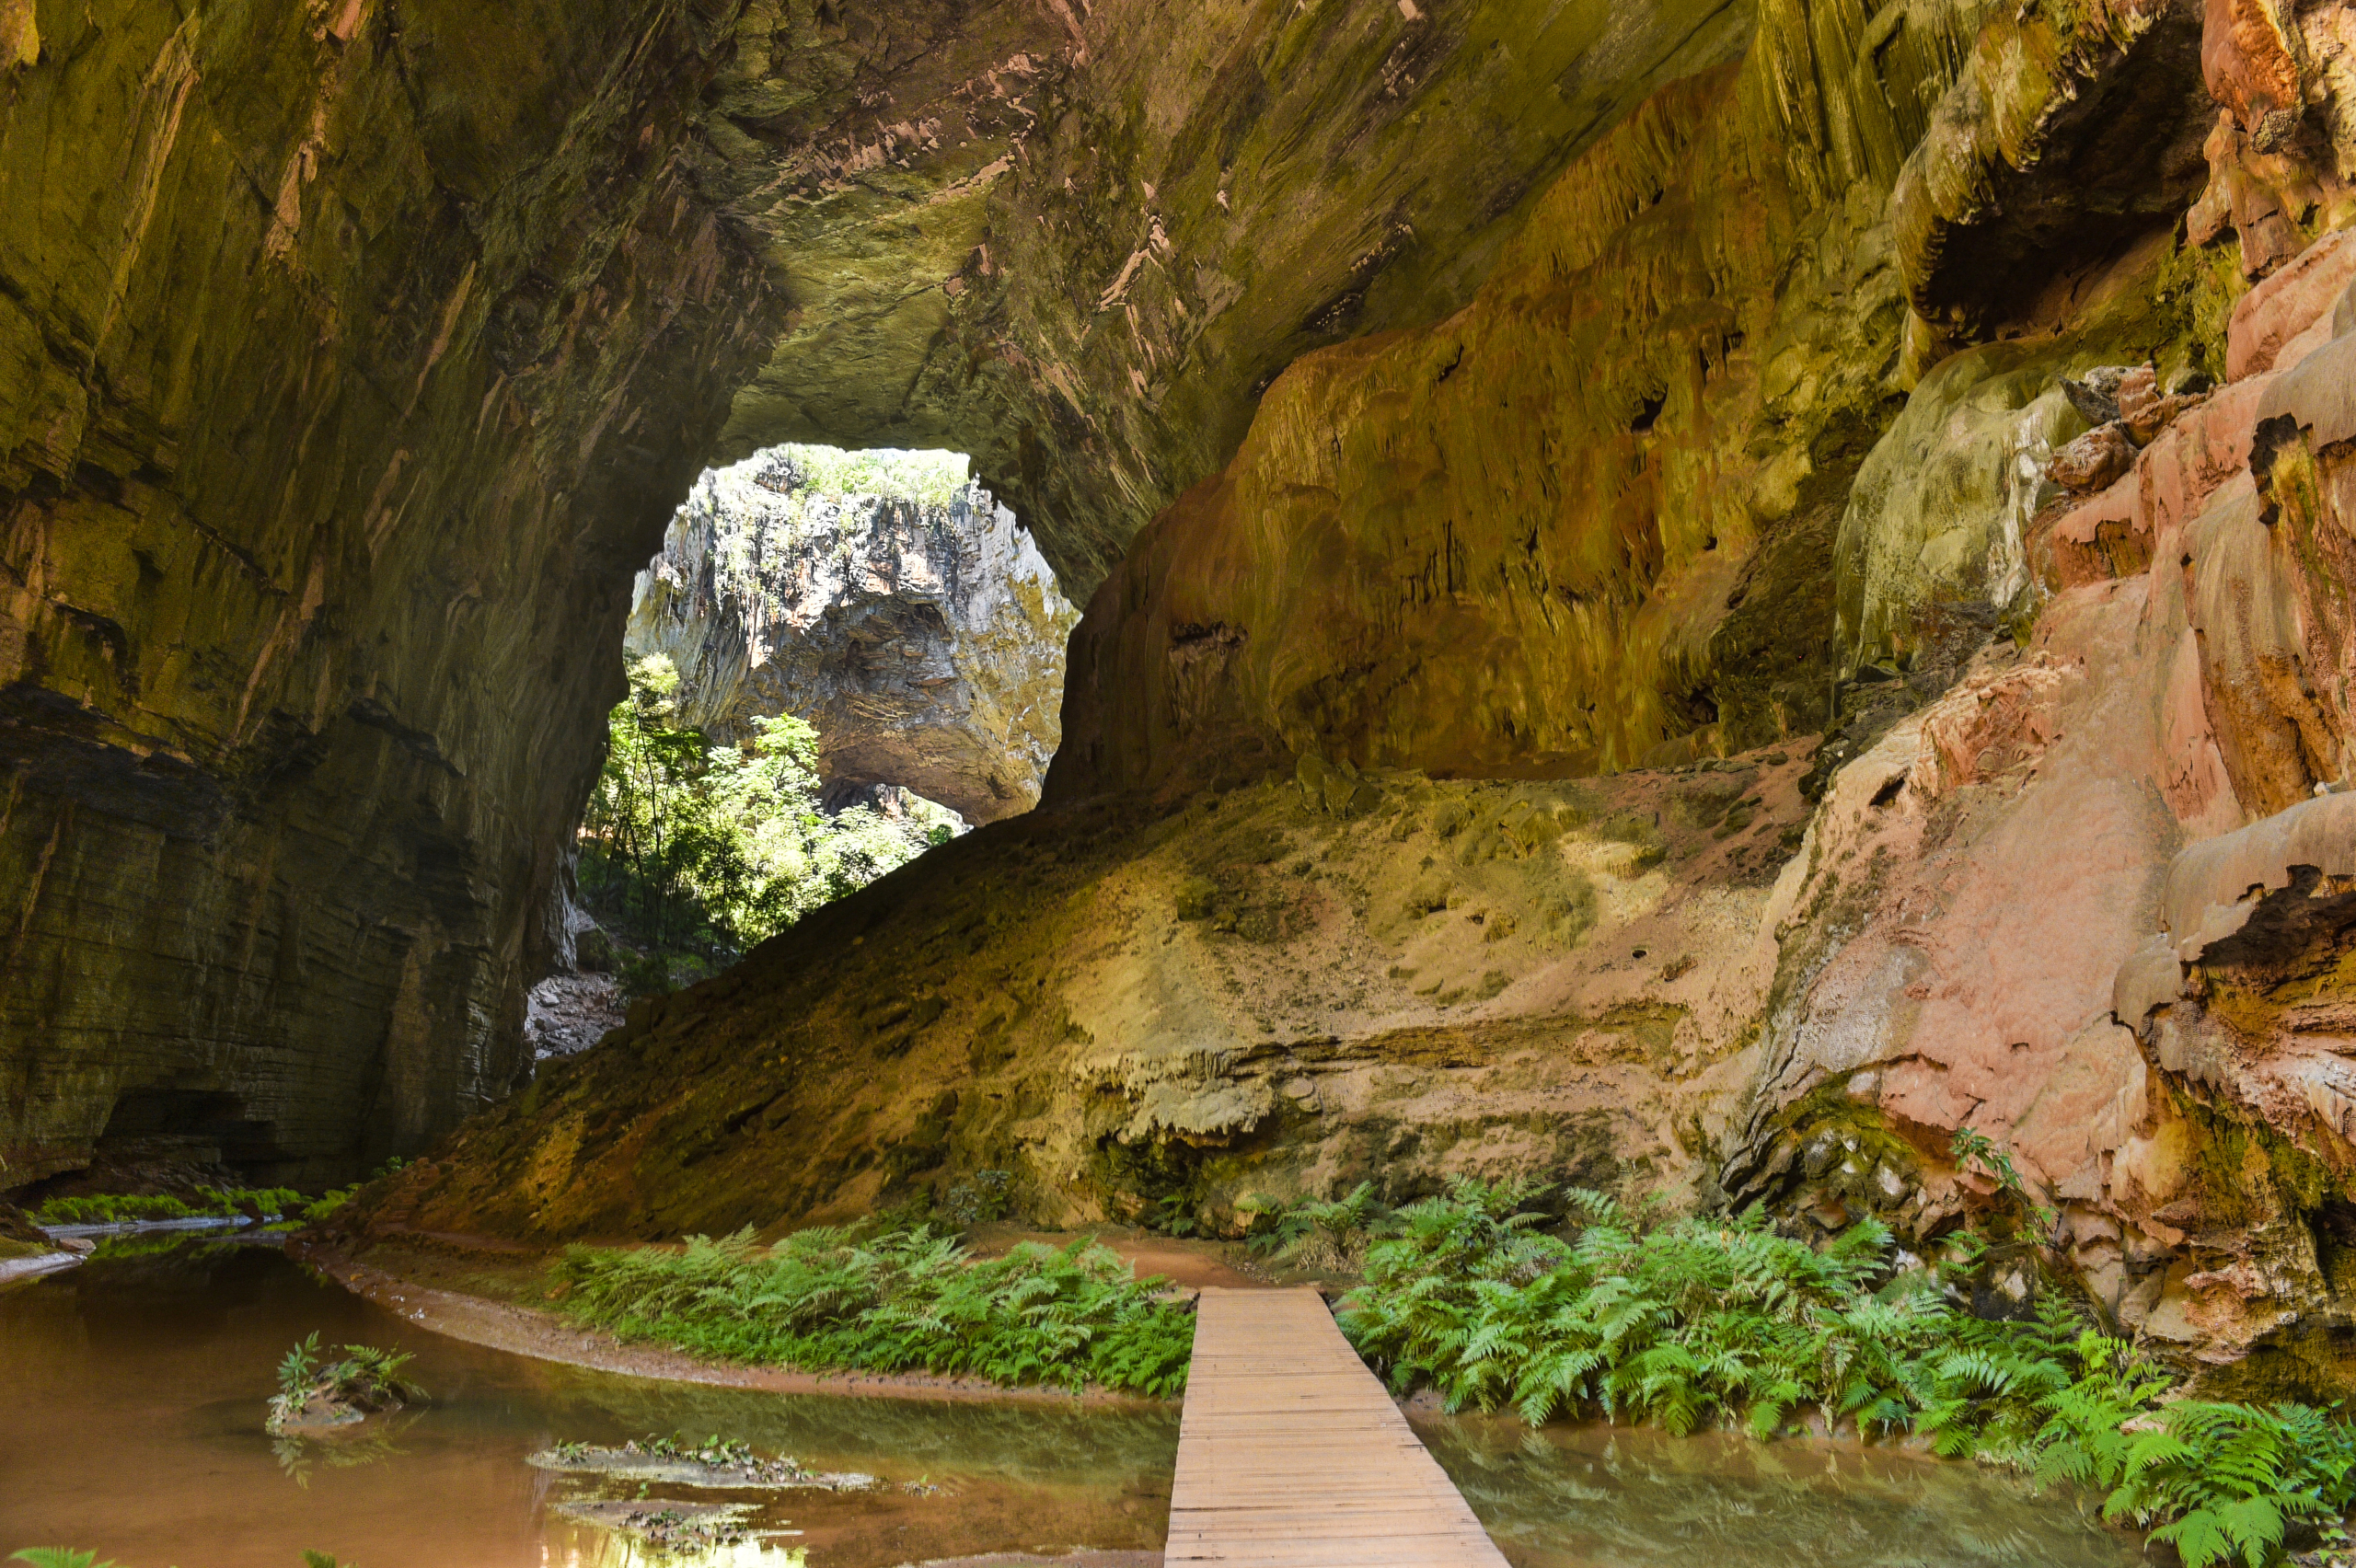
(1722, 1319)
(335, 1198)
(210, 1203)
(365, 1379)
(930, 476)
(1327, 1237)
(697, 852)
(1969, 1148)
(906, 1300)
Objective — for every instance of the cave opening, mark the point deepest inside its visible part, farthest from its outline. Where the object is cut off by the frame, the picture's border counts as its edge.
(157, 1137)
(836, 660)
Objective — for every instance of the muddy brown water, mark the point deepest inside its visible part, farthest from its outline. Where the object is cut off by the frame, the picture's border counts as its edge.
(131, 1396)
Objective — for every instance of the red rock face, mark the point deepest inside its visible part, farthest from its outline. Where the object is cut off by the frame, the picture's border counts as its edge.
(2095, 460)
(2039, 952)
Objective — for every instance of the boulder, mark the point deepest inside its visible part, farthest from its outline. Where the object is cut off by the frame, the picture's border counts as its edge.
(2094, 460)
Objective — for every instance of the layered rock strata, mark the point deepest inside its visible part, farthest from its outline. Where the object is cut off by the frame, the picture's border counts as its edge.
(922, 634)
(350, 360)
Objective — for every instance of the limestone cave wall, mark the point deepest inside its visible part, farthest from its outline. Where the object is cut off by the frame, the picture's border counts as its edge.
(353, 352)
(349, 356)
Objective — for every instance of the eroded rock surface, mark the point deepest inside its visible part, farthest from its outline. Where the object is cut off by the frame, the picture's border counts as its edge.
(920, 632)
(1300, 984)
(1548, 429)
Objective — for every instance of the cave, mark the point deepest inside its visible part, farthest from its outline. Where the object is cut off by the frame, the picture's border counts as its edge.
(1582, 618)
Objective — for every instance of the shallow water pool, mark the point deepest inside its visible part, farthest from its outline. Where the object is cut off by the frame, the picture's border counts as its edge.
(132, 1394)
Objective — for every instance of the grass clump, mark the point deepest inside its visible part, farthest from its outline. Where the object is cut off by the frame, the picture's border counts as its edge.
(906, 1300)
(1722, 1320)
(210, 1203)
(365, 1379)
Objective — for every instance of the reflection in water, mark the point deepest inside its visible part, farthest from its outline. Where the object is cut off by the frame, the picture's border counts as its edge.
(364, 1445)
(1631, 1497)
(132, 1394)
(587, 1546)
(707, 1534)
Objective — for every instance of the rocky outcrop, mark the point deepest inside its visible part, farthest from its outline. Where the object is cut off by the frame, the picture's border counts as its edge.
(920, 632)
(1287, 988)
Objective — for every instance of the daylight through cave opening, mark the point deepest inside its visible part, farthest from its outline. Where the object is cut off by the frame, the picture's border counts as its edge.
(836, 660)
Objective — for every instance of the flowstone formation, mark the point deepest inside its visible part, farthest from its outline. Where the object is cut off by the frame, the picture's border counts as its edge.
(894, 604)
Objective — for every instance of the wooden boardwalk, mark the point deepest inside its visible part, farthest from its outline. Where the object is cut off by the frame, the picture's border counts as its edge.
(1291, 1455)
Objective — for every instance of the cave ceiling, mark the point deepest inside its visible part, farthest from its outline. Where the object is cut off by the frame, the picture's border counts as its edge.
(1079, 242)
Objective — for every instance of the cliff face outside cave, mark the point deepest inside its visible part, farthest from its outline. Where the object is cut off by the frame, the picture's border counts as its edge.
(898, 608)
(1587, 672)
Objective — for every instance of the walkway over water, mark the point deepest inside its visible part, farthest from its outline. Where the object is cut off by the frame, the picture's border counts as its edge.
(1290, 1454)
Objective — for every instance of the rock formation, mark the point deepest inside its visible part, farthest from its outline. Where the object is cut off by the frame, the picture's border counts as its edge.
(1607, 657)
(921, 634)
(354, 355)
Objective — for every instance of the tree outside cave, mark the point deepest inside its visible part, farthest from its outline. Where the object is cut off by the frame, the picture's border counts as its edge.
(693, 852)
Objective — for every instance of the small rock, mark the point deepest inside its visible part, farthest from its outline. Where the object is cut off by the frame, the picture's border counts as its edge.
(2094, 461)
(2159, 415)
(2097, 409)
(1195, 897)
(2143, 409)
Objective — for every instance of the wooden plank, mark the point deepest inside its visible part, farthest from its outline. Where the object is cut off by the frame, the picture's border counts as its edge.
(1291, 1455)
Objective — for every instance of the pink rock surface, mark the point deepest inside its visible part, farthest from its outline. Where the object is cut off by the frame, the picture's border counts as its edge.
(2290, 302)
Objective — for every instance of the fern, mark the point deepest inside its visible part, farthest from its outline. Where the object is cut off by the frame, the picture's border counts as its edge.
(1704, 1321)
(906, 1300)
